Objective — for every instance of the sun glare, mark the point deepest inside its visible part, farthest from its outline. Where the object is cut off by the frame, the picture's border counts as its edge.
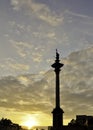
(29, 122)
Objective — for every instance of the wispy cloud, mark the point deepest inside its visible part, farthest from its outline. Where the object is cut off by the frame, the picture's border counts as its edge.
(12, 66)
(27, 49)
(77, 14)
(35, 93)
(23, 48)
(41, 10)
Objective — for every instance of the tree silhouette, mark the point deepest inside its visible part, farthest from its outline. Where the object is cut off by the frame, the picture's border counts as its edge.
(72, 122)
(5, 122)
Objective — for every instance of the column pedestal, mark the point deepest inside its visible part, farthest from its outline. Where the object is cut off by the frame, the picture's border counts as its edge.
(57, 117)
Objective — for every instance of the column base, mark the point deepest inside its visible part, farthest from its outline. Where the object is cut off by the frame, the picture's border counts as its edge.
(57, 117)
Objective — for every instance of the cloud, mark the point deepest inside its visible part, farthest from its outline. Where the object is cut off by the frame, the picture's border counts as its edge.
(77, 14)
(37, 57)
(35, 93)
(19, 28)
(52, 19)
(12, 66)
(40, 10)
(26, 50)
(77, 82)
(22, 48)
(16, 4)
(50, 35)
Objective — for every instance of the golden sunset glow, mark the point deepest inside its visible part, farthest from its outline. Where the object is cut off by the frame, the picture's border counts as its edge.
(30, 33)
(29, 121)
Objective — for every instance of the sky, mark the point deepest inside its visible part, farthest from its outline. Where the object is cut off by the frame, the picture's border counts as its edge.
(30, 33)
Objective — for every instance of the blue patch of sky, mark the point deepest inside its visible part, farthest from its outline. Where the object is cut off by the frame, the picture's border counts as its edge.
(84, 7)
(4, 5)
